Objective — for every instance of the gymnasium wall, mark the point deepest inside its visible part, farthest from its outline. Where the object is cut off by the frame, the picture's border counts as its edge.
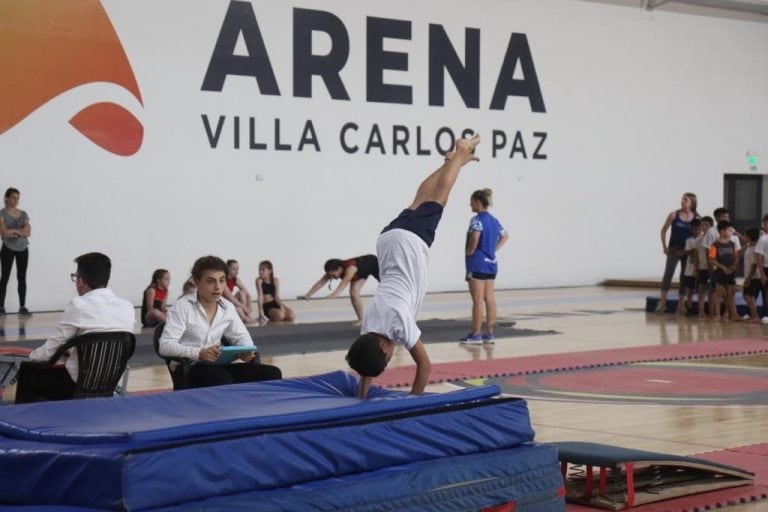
(159, 131)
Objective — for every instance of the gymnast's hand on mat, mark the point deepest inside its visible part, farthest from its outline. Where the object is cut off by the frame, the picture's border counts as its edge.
(209, 354)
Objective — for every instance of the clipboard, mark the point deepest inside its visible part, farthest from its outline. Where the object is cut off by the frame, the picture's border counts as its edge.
(230, 353)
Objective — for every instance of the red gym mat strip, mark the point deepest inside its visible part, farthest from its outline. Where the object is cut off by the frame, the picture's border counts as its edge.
(752, 458)
(446, 372)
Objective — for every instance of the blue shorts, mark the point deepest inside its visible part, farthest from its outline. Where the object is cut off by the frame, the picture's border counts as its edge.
(480, 276)
(422, 221)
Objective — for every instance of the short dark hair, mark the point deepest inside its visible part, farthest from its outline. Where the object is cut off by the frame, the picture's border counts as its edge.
(723, 225)
(94, 268)
(10, 191)
(207, 263)
(333, 264)
(753, 233)
(720, 211)
(366, 357)
(696, 222)
(709, 219)
(229, 262)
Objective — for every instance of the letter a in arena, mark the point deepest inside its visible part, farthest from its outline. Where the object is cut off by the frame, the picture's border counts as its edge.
(506, 85)
(240, 19)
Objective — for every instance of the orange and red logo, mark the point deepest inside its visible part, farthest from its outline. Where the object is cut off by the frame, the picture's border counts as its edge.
(48, 47)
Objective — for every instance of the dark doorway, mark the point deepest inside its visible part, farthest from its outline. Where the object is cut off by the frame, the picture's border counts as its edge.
(743, 197)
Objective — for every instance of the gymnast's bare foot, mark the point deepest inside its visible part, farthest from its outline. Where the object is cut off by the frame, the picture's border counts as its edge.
(465, 150)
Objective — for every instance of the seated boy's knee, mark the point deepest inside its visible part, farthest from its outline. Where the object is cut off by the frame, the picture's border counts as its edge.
(268, 372)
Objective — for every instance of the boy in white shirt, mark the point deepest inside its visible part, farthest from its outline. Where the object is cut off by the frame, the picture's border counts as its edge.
(761, 254)
(702, 263)
(752, 285)
(402, 249)
(713, 234)
(688, 282)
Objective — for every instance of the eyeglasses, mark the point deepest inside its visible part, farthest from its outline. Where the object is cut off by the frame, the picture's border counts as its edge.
(74, 277)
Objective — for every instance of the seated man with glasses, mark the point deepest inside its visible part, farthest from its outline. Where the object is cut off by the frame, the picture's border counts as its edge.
(96, 308)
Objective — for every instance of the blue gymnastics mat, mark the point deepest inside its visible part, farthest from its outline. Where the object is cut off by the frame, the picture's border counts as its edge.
(526, 478)
(146, 452)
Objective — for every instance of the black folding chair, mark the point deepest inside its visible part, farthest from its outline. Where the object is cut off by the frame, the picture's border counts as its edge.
(178, 367)
(102, 362)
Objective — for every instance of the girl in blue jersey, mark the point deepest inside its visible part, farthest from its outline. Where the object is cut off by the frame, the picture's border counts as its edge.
(485, 236)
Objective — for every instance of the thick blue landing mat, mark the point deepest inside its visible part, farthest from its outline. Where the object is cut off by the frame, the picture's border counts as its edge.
(155, 450)
(527, 478)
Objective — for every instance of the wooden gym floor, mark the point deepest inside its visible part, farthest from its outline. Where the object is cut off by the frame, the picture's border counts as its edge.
(588, 318)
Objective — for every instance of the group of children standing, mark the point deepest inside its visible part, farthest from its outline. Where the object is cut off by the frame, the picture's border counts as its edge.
(711, 258)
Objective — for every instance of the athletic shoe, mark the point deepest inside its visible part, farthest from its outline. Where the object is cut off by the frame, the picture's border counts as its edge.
(660, 307)
(2, 311)
(24, 312)
(472, 339)
(489, 338)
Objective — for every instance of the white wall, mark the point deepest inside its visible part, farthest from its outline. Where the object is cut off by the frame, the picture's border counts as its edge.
(640, 107)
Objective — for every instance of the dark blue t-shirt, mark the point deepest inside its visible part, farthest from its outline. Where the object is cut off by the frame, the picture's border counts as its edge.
(681, 231)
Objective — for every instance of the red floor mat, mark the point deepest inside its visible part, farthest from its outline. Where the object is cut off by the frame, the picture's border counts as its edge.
(752, 458)
(446, 372)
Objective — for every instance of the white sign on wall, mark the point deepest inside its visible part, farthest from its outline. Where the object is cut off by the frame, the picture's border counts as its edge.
(159, 131)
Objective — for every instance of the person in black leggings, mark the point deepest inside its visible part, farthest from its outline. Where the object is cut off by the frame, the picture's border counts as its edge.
(14, 231)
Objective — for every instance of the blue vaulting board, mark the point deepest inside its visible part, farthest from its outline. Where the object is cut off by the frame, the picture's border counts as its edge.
(159, 450)
(638, 477)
